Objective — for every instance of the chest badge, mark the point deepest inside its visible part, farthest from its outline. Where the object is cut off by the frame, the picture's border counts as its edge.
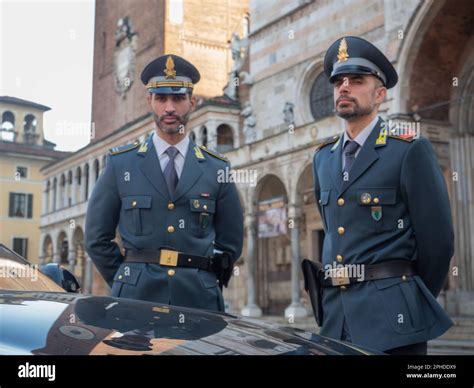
(196, 204)
(365, 198)
(376, 212)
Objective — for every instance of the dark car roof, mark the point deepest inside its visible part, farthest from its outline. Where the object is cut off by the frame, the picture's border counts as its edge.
(65, 323)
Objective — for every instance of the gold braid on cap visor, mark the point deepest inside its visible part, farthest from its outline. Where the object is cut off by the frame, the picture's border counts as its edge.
(173, 84)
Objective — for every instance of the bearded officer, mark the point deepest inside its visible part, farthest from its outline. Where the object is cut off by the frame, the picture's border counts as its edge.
(181, 228)
(384, 205)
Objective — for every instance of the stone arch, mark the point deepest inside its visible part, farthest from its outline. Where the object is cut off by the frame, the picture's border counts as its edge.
(273, 264)
(225, 138)
(303, 88)
(47, 250)
(62, 248)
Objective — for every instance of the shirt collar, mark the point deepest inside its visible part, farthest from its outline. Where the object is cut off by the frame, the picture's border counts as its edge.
(363, 135)
(161, 145)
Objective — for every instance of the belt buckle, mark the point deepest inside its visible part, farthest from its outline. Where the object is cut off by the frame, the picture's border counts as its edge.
(169, 258)
(340, 276)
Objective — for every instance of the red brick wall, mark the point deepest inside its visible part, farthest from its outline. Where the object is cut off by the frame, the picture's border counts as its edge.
(110, 111)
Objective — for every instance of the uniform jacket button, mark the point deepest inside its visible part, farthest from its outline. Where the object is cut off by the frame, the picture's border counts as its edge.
(341, 230)
(171, 272)
(340, 201)
(339, 258)
(171, 206)
(170, 229)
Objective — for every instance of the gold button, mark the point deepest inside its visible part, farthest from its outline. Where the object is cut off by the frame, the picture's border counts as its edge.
(343, 288)
(171, 272)
(120, 277)
(134, 203)
(340, 201)
(404, 277)
(341, 230)
(339, 258)
(205, 207)
(376, 200)
(170, 229)
(171, 206)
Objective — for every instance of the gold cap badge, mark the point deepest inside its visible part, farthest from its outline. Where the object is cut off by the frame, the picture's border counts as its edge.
(342, 54)
(170, 72)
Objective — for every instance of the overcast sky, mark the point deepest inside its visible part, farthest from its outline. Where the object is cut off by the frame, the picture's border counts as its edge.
(46, 55)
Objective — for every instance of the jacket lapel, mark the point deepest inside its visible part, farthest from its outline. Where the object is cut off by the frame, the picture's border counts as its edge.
(150, 166)
(192, 171)
(335, 163)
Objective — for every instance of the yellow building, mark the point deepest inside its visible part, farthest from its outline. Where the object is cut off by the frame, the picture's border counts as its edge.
(23, 152)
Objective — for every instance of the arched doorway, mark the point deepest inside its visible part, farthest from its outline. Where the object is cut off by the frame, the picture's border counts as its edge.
(47, 249)
(80, 267)
(311, 228)
(63, 248)
(437, 87)
(273, 268)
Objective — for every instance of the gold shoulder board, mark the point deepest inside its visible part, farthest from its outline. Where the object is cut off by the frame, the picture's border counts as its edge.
(124, 148)
(216, 155)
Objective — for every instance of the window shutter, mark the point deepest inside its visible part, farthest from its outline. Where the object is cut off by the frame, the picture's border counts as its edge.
(30, 206)
(10, 205)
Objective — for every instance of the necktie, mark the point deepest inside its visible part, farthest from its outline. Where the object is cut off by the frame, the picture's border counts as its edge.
(171, 176)
(350, 150)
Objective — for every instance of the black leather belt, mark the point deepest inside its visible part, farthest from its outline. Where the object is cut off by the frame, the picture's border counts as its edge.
(344, 275)
(170, 258)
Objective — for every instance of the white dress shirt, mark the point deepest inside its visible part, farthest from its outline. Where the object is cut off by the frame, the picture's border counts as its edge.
(161, 146)
(359, 139)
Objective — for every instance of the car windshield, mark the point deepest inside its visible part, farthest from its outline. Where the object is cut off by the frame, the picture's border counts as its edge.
(18, 274)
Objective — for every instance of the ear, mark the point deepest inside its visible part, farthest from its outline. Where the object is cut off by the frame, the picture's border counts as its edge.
(193, 102)
(148, 100)
(380, 94)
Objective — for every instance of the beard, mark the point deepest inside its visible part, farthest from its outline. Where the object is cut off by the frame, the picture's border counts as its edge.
(352, 110)
(172, 129)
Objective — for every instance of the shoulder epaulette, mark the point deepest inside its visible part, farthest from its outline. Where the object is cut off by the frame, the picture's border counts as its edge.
(215, 154)
(326, 142)
(408, 138)
(123, 148)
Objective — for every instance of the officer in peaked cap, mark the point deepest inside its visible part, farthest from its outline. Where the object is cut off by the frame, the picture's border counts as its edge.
(182, 228)
(170, 74)
(385, 210)
(364, 58)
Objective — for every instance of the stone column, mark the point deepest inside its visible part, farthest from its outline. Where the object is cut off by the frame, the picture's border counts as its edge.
(88, 276)
(45, 198)
(74, 188)
(295, 309)
(41, 254)
(251, 309)
(82, 187)
(211, 134)
(58, 193)
(66, 191)
(462, 165)
(71, 258)
(91, 178)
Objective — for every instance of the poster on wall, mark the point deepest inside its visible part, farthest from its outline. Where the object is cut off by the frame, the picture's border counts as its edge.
(272, 217)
